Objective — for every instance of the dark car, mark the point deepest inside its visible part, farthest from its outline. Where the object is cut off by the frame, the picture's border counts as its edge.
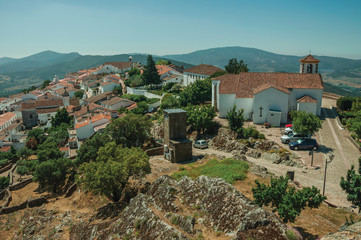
(304, 144)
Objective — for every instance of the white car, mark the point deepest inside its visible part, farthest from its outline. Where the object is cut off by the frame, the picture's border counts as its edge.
(293, 137)
(288, 130)
(200, 144)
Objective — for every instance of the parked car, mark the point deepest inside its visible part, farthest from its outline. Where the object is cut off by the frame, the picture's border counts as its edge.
(200, 144)
(293, 137)
(288, 130)
(309, 143)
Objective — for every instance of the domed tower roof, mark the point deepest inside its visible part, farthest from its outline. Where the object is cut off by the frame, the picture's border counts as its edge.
(309, 59)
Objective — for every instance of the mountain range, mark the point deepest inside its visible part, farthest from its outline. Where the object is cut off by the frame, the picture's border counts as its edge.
(341, 75)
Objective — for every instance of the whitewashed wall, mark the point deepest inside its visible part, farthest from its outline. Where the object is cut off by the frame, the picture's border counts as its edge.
(270, 99)
(297, 93)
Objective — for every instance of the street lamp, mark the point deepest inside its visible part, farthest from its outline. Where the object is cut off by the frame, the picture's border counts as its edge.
(330, 157)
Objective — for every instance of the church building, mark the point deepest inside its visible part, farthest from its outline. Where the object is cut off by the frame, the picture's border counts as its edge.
(269, 97)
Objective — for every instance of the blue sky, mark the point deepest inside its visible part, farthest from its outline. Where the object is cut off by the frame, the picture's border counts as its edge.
(160, 27)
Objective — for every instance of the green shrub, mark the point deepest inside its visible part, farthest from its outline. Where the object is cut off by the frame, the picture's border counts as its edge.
(4, 182)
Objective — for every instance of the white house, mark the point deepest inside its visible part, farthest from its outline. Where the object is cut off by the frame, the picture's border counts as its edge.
(88, 127)
(116, 102)
(269, 97)
(173, 79)
(199, 72)
(108, 86)
(114, 67)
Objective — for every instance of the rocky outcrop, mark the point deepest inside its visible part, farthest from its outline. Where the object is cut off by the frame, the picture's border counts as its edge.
(351, 232)
(173, 209)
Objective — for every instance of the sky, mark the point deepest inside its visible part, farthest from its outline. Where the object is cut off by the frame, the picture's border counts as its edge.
(159, 27)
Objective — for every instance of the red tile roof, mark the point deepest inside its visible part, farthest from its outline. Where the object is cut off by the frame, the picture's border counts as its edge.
(267, 85)
(203, 69)
(5, 149)
(99, 117)
(306, 99)
(42, 104)
(309, 59)
(245, 84)
(4, 118)
(81, 124)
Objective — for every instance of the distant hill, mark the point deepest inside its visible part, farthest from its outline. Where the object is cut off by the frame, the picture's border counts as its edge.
(6, 60)
(18, 74)
(262, 61)
(342, 74)
(37, 61)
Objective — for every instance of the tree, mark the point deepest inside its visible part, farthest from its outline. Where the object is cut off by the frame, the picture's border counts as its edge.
(236, 67)
(61, 116)
(48, 151)
(118, 90)
(150, 74)
(142, 108)
(352, 185)
(89, 150)
(130, 131)
(217, 74)
(305, 123)
(286, 200)
(22, 170)
(134, 71)
(79, 94)
(52, 172)
(345, 103)
(4, 182)
(110, 173)
(235, 119)
(163, 62)
(200, 117)
(169, 101)
(25, 153)
(31, 143)
(197, 92)
(37, 134)
(45, 84)
(135, 81)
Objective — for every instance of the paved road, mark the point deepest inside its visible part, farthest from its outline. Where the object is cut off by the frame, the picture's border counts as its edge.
(332, 140)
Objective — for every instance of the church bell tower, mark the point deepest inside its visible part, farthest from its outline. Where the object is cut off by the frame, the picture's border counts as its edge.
(309, 64)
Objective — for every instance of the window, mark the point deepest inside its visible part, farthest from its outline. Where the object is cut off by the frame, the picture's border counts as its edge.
(31, 116)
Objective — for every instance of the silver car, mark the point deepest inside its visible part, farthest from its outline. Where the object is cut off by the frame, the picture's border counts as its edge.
(200, 144)
(293, 137)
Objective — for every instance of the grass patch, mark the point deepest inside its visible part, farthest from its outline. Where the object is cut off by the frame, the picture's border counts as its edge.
(229, 169)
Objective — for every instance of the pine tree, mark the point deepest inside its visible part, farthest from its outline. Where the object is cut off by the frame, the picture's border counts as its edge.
(150, 74)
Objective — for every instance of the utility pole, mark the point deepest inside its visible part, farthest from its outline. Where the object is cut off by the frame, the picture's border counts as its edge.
(331, 157)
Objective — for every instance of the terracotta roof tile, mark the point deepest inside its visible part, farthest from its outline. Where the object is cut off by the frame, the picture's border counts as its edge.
(46, 110)
(245, 83)
(4, 118)
(267, 85)
(81, 124)
(309, 59)
(5, 149)
(306, 99)
(100, 117)
(203, 69)
(98, 97)
(42, 104)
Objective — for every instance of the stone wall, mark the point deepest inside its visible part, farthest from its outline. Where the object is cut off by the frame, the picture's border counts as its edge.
(155, 151)
(28, 203)
(20, 184)
(4, 169)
